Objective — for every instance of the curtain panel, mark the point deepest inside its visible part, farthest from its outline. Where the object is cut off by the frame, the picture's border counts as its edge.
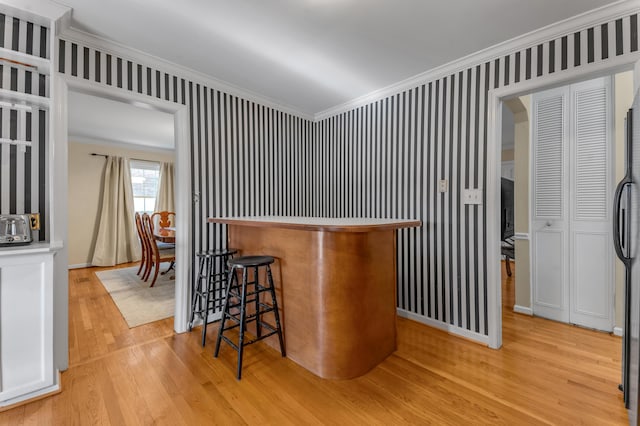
(117, 239)
(165, 198)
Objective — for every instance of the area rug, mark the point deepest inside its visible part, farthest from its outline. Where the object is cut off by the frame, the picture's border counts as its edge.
(139, 303)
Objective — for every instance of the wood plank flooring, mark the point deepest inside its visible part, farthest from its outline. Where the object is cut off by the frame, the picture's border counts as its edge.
(546, 373)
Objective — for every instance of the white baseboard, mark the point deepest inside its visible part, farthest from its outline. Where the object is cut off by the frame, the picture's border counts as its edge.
(80, 265)
(523, 310)
(32, 396)
(212, 317)
(617, 331)
(480, 338)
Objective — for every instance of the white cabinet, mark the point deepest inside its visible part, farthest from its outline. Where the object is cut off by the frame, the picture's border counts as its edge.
(26, 326)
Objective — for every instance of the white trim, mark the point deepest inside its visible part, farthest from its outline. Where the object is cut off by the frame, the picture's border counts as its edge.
(119, 144)
(37, 11)
(80, 266)
(33, 395)
(452, 329)
(494, 155)
(618, 331)
(521, 236)
(492, 220)
(576, 23)
(183, 155)
(24, 99)
(127, 53)
(215, 316)
(184, 226)
(522, 310)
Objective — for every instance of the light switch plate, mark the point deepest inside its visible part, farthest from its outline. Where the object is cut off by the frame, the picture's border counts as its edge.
(472, 196)
(443, 185)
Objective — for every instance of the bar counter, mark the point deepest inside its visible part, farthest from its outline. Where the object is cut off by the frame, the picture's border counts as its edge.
(336, 286)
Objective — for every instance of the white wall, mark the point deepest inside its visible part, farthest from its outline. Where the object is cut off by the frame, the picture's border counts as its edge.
(85, 192)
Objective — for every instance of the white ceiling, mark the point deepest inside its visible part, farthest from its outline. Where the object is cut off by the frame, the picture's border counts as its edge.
(94, 119)
(312, 55)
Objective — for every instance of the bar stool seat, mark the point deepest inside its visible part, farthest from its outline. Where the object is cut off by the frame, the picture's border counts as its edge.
(249, 261)
(238, 296)
(207, 292)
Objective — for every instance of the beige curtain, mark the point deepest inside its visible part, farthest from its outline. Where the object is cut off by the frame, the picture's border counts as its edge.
(117, 240)
(165, 198)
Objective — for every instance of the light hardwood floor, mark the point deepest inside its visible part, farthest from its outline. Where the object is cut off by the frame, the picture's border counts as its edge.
(546, 373)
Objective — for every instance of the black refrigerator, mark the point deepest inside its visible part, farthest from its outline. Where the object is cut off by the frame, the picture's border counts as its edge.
(626, 223)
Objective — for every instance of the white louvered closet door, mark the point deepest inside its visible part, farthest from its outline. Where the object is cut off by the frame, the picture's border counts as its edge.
(572, 166)
(591, 247)
(549, 224)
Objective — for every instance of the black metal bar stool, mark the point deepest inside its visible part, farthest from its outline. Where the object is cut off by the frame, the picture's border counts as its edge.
(239, 296)
(208, 291)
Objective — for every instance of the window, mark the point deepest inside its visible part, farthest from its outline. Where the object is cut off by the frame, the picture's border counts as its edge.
(145, 178)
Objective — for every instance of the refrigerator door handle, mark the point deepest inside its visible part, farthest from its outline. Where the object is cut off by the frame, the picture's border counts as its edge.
(617, 244)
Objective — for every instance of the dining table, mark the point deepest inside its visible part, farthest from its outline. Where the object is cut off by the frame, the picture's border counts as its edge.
(165, 235)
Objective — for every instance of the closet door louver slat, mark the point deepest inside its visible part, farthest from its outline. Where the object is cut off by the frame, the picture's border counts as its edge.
(548, 178)
(590, 149)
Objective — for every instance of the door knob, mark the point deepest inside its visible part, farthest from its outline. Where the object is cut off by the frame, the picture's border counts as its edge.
(548, 223)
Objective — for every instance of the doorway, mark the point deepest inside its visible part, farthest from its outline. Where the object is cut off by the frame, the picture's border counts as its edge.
(514, 202)
(62, 86)
(572, 151)
(522, 302)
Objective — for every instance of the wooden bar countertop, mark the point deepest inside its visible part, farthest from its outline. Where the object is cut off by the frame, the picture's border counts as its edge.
(320, 223)
(335, 281)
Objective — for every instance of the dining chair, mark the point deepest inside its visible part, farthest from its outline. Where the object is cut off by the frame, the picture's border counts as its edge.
(164, 219)
(144, 243)
(157, 256)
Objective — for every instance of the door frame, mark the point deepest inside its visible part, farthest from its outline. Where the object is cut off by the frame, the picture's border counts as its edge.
(62, 84)
(494, 155)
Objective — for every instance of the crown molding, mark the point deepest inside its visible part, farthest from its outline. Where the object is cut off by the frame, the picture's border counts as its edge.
(40, 12)
(60, 13)
(128, 53)
(576, 23)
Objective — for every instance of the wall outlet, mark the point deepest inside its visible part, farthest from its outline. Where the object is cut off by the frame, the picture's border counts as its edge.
(472, 196)
(35, 221)
(443, 185)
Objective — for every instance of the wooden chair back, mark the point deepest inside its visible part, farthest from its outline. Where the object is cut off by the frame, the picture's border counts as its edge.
(156, 257)
(147, 227)
(144, 244)
(163, 219)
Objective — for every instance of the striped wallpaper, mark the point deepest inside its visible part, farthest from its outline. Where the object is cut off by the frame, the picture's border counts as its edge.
(380, 160)
(385, 160)
(23, 169)
(247, 159)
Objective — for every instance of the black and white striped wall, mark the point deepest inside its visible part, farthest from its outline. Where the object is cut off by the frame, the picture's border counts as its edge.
(247, 158)
(23, 168)
(385, 159)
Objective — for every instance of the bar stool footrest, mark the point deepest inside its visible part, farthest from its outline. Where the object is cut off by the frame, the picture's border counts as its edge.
(235, 292)
(233, 345)
(265, 308)
(264, 336)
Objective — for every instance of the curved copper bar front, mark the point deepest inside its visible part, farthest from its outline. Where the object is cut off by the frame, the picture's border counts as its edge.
(336, 292)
